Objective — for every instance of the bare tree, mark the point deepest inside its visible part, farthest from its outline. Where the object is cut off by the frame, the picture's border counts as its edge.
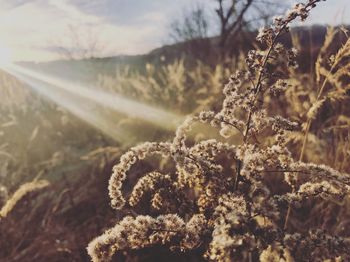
(231, 17)
(80, 43)
(192, 31)
(193, 25)
(234, 23)
(237, 17)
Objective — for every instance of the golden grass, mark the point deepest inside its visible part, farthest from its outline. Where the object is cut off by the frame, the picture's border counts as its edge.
(20, 193)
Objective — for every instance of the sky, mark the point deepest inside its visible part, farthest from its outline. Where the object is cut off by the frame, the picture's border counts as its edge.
(36, 30)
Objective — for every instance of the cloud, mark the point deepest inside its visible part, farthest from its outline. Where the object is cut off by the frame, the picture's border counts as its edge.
(5, 4)
(29, 25)
(33, 28)
(121, 11)
(67, 9)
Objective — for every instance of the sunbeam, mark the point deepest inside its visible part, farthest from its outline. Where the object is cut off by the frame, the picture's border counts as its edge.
(112, 101)
(76, 105)
(87, 103)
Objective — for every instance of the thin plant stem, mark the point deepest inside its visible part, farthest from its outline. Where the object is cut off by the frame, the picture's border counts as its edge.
(307, 130)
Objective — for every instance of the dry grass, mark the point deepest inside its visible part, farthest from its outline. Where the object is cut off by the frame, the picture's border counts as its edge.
(21, 192)
(56, 223)
(267, 196)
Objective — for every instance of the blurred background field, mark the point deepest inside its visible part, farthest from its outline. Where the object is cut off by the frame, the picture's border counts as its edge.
(56, 156)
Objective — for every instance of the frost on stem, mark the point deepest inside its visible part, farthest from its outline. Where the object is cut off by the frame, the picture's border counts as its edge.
(218, 199)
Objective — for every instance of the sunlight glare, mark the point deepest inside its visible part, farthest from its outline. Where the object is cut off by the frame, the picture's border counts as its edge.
(75, 105)
(82, 101)
(113, 101)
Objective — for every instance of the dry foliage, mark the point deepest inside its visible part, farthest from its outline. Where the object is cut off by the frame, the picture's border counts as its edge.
(261, 176)
(237, 201)
(169, 86)
(23, 190)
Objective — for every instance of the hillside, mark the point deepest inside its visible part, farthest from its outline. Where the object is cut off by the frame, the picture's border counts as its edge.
(310, 40)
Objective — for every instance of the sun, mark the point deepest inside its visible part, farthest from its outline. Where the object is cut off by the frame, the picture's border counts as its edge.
(5, 55)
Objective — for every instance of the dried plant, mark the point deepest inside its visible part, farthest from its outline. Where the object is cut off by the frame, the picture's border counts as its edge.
(20, 193)
(3, 195)
(334, 71)
(170, 85)
(12, 93)
(219, 200)
(319, 101)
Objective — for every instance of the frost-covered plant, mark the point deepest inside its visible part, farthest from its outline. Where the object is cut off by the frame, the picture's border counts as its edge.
(219, 200)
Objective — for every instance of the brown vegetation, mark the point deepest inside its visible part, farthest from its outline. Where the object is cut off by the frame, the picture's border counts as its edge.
(262, 175)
